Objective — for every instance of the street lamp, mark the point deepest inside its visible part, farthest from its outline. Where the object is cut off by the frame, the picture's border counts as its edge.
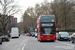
(9, 24)
(65, 12)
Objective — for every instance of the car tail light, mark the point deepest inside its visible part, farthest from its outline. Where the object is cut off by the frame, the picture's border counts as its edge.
(6, 37)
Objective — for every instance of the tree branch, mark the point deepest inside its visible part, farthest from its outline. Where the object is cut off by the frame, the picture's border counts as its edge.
(14, 12)
(1, 2)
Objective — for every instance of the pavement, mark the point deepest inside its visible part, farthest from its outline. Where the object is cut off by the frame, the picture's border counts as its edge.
(31, 43)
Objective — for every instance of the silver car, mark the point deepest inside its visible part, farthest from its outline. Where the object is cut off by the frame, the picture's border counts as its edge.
(27, 34)
(57, 36)
(35, 35)
(0, 40)
(63, 36)
(73, 37)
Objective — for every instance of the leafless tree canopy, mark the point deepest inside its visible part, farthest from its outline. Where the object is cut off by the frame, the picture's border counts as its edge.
(7, 8)
(54, 8)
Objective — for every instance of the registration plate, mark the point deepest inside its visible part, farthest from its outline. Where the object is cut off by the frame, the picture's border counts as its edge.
(48, 39)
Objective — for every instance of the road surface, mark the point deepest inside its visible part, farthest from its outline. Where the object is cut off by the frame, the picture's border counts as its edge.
(31, 43)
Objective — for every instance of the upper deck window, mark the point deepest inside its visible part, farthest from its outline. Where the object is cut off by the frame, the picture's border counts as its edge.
(47, 19)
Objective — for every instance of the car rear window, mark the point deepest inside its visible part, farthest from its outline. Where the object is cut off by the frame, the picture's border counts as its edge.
(4, 36)
(64, 33)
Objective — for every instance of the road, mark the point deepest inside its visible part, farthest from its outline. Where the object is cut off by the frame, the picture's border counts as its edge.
(31, 43)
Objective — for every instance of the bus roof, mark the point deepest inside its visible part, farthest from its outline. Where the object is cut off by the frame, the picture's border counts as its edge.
(45, 15)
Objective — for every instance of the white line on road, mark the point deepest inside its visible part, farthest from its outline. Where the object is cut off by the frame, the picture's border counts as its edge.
(24, 44)
(69, 46)
(67, 43)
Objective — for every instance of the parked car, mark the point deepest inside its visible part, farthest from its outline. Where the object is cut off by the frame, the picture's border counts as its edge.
(35, 35)
(5, 38)
(57, 36)
(0, 40)
(73, 37)
(63, 36)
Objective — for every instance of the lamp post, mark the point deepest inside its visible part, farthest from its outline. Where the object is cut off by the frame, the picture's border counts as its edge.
(9, 24)
(65, 12)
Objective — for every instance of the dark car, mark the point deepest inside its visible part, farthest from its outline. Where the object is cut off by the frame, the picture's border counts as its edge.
(5, 38)
(73, 37)
(0, 40)
(63, 36)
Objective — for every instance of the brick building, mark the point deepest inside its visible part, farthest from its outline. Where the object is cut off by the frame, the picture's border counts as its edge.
(12, 22)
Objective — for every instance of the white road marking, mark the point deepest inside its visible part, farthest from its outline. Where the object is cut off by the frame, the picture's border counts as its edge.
(24, 44)
(66, 43)
(69, 46)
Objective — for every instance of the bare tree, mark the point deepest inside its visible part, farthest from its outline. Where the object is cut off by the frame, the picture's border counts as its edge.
(7, 8)
(54, 8)
(58, 10)
(31, 14)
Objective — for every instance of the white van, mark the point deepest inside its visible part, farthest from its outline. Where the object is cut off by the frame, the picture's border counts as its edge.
(14, 32)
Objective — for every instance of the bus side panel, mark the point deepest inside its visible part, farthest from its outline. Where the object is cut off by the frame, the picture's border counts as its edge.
(55, 27)
(38, 35)
(40, 29)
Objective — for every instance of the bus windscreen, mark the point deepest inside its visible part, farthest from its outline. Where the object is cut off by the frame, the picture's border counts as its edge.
(47, 19)
(47, 31)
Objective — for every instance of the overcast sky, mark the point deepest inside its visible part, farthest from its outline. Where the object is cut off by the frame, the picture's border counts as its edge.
(24, 4)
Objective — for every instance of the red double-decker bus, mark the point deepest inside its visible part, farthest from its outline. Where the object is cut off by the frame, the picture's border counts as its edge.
(46, 28)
